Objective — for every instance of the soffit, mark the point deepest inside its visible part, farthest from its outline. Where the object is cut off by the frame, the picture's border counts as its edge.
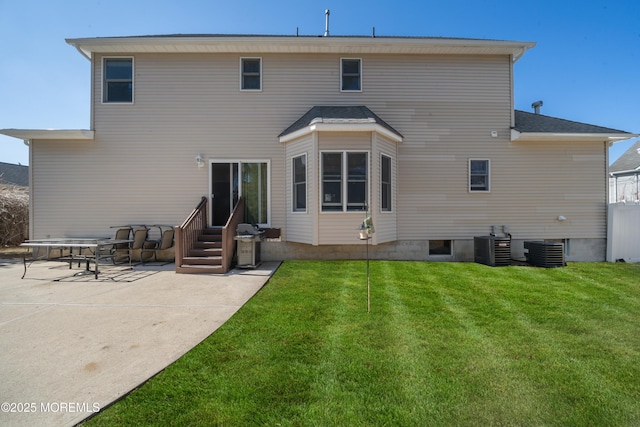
(53, 134)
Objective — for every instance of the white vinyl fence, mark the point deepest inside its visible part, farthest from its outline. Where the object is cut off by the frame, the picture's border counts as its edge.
(623, 233)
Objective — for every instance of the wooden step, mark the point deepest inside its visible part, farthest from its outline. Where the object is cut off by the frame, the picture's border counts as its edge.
(208, 245)
(205, 252)
(200, 269)
(210, 232)
(196, 260)
(209, 238)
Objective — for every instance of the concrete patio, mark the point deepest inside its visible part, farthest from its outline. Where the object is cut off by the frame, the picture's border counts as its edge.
(72, 345)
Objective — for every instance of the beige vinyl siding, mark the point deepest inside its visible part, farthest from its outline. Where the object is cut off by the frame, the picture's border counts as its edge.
(300, 226)
(385, 223)
(141, 166)
(531, 185)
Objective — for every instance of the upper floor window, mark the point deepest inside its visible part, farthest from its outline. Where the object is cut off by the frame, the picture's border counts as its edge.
(251, 73)
(385, 183)
(118, 80)
(479, 175)
(350, 75)
(300, 183)
(344, 173)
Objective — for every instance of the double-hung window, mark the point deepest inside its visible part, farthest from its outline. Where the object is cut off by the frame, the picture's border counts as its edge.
(479, 175)
(385, 183)
(300, 183)
(345, 177)
(118, 80)
(350, 75)
(251, 74)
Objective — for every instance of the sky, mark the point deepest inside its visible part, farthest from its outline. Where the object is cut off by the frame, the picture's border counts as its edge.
(585, 66)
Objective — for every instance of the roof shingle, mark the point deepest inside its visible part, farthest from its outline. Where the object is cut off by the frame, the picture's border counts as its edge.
(338, 114)
(538, 123)
(630, 159)
(14, 174)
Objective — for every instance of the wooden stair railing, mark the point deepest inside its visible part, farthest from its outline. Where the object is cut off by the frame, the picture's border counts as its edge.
(187, 233)
(229, 232)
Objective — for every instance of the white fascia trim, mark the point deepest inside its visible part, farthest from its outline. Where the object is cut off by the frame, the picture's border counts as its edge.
(318, 126)
(54, 134)
(624, 173)
(292, 44)
(586, 137)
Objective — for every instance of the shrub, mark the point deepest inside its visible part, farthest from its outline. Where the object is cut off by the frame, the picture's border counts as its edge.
(14, 215)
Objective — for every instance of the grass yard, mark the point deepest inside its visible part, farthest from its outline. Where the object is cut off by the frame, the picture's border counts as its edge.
(445, 344)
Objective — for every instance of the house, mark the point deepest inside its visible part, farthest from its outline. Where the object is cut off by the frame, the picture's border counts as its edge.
(624, 176)
(11, 174)
(312, 134)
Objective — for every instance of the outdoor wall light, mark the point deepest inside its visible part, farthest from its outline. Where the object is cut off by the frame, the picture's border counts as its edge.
(200, 161)
(561, 218)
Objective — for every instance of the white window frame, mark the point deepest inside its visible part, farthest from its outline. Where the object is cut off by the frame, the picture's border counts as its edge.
(342, 74)
(344, 180)
(103, 79)
(390, 183)
(242, 74)
(294, 185)
(488, 189)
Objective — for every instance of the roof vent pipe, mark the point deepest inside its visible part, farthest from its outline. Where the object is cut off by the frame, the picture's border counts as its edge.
(326, 25)
(536, 106)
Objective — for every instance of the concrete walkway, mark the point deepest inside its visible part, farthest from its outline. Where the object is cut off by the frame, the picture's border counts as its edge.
(70, 347)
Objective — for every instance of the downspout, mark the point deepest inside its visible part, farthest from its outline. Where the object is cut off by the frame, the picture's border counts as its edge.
(512, 84)
(606, 201)
(92, 97)
(606, 165)
(29, 144)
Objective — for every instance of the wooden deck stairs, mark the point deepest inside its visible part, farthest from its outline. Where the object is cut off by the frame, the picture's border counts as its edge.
(206, 250)
(206, 254)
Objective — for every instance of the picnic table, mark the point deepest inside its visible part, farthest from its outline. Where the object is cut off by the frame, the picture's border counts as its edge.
(80, 249)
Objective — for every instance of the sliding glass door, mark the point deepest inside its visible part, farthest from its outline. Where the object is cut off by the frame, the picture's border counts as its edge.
(231, 180)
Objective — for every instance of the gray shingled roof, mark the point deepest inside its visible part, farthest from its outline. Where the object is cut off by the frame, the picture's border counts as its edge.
(530, 122)
(276, 36)
(14, 174)
(338, 114)
(630, 159)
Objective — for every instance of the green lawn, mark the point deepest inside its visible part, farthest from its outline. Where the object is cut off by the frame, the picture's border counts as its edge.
(456, 344)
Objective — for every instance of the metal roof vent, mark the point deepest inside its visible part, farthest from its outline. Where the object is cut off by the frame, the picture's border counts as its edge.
(326, 25)
(536, 106)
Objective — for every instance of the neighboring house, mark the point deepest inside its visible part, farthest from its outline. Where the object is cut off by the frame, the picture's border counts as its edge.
(310, 132)
(624, 177)
(11, 174)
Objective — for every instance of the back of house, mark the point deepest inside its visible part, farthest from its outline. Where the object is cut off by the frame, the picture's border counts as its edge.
(316, 133)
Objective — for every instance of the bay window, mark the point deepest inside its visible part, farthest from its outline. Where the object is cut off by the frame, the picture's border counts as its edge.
(345, 180)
